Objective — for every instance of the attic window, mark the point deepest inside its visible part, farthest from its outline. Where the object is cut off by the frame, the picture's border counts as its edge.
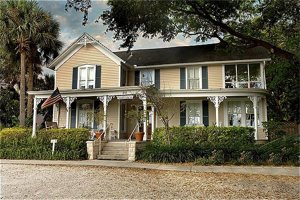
(86, 77)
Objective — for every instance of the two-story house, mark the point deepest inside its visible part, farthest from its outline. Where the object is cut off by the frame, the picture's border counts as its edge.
(216, 87)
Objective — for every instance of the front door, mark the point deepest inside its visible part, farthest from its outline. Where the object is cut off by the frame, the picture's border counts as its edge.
(85, 114)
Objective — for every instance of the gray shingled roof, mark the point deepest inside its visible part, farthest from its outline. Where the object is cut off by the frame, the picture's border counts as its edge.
(189, 54)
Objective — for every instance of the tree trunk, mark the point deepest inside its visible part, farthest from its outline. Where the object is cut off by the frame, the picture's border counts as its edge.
(30, 88)
(22, 90)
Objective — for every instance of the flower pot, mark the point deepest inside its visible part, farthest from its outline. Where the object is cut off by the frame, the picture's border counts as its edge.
(139, 136)
(98, 134)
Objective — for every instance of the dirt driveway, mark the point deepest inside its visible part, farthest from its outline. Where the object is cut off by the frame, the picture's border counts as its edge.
(59, 182)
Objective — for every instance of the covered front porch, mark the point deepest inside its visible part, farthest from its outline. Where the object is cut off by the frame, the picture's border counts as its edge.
(99, 110)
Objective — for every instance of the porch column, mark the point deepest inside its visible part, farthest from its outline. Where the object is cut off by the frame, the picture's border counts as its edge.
(68, 101)
(36, 102)
(144, 99)
(216, 101)
(145, 118)
(255, 100)
(105, 100)
(152, 122)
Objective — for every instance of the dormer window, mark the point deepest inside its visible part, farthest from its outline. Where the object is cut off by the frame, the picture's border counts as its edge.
(86, 76)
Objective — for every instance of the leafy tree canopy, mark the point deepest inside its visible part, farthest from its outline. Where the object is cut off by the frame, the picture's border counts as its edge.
(238, 23)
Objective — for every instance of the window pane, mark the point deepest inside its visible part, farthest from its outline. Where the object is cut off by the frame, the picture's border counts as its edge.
(147, 77)
(234, 107)
(254, 70)
(91, 73)
(193, 78)
(193, 114)
(234, 119)
(242, 73)
(249, 107)
(230, 76)
(83, 74)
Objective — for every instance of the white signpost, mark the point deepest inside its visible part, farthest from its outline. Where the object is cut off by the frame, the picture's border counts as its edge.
(53, 141)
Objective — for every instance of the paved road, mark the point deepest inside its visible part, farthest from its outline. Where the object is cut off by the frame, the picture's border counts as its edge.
(94, 182)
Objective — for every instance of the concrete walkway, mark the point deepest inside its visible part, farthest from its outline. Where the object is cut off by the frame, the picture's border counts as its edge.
(262, 170)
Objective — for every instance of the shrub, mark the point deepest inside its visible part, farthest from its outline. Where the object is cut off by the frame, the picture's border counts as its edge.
(246, 157)
(287, 146)
(167, 154)
(17, 143)
(216, 145)
(218, 136)
(274, 129)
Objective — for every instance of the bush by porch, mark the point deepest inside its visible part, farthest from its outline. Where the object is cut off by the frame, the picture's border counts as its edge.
(17, 143)
(219, 145)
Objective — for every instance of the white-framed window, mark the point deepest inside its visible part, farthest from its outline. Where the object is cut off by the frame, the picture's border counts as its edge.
(243, 76)
(194, 114)
(241, 113)
(193, 77)
(147, 77)
(86, 76)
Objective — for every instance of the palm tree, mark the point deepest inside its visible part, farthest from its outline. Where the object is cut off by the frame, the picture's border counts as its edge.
(22, 25)
(44, 47)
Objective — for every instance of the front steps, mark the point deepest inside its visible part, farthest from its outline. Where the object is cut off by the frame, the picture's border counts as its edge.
(114, 151)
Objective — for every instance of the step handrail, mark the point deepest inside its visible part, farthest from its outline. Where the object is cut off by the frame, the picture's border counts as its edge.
(129, 139)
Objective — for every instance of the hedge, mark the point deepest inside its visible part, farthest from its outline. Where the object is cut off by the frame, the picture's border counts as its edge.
(218, 145)
(17, 143)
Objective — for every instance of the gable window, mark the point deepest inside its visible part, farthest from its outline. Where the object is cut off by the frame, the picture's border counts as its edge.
(86, 76)
(147, 77)
(193, 78)
(243, 76)
(194, 113)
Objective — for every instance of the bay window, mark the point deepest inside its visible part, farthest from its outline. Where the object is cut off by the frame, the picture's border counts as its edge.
(241, 113)
(243, 76)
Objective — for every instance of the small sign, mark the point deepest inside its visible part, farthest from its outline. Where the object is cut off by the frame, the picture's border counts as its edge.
(53, 141)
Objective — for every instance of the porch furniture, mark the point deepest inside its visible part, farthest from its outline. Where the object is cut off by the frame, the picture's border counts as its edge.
(51, 125)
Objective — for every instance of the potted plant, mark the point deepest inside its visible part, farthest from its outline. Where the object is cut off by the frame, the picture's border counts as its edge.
(138, 116)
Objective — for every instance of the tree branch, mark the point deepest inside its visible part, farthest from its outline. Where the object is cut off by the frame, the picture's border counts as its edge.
(202, 13)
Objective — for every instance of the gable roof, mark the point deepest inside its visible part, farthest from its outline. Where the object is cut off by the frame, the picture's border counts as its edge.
(83, 40)
(190, 54)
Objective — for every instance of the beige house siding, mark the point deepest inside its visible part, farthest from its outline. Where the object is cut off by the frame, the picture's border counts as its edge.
(215, 76)
(88, 55)
(112, 113)
(62, 115)
(170, 78)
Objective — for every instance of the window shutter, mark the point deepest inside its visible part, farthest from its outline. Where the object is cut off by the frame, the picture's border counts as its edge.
(204, 77)
(182, 113)
(75, 78)
(205, 113)
(98, 77)
(182, 78)
(73, 115)
(157, 78)
(137, 78)
(96, 109)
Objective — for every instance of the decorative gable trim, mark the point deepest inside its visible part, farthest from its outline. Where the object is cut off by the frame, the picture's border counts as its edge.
(82, 41)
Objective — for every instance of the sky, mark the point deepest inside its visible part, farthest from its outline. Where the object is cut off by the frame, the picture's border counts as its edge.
(71, 27)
